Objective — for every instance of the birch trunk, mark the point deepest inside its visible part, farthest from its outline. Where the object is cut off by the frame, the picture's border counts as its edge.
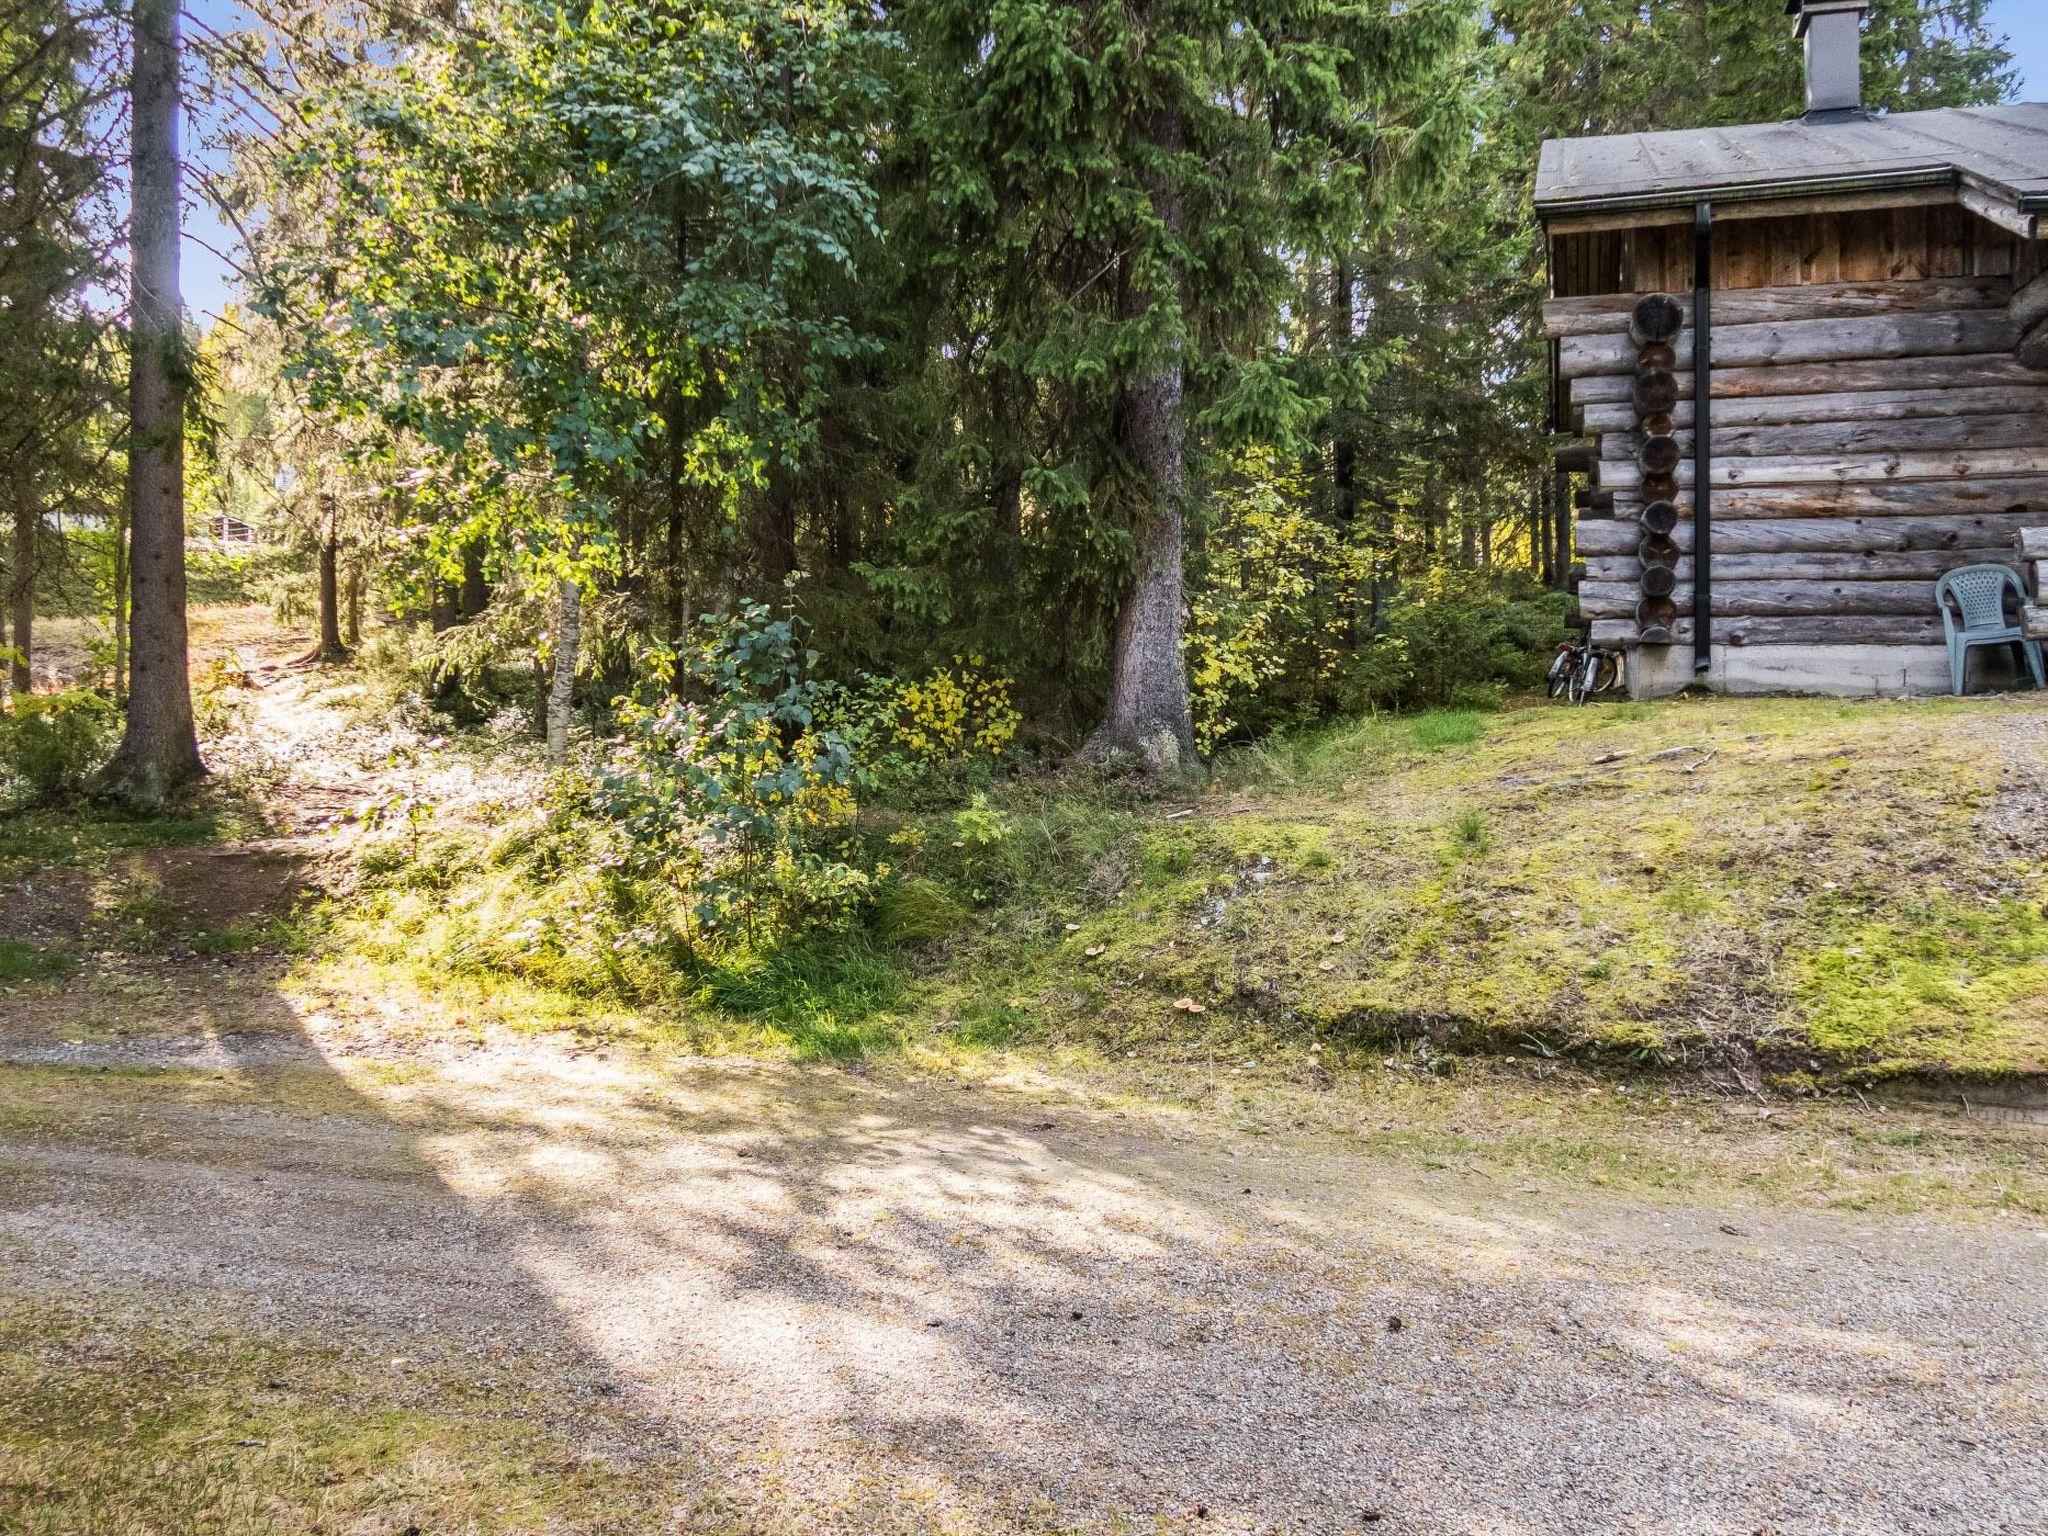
(562, 691)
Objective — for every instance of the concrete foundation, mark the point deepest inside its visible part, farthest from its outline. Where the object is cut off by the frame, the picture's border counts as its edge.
(1846, 671)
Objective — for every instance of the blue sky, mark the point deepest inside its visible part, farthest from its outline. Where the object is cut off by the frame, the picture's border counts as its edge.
(208, 279)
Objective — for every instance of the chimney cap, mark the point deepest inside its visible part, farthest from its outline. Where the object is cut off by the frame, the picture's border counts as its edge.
(1802, 9)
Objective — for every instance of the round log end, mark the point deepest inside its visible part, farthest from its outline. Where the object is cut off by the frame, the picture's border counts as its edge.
(1657, 317)
(1659, 517)
(1660, 487)
(1654, 356)
(1656, 392)
(1657, 612)
(1658, 580)
(1658, 455)
(1654, 634)
(1659, 425)
(1656, 549)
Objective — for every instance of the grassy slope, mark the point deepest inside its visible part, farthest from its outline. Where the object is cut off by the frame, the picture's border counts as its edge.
(1822, 884)
(1808, 877)
(1834, 886)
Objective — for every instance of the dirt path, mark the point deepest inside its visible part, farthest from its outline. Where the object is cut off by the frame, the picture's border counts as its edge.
(875, 1303)
(867, 1301)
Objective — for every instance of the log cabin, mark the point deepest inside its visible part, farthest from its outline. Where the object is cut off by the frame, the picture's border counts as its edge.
(1804, 367)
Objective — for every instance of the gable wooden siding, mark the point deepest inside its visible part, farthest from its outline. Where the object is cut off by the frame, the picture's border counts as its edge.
(1871, 245)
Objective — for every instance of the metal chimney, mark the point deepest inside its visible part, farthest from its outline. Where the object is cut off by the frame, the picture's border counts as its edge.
(1832, 31)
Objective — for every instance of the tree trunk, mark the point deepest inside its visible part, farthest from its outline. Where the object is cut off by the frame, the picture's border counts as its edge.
(1344, 445)
(120, 614)
(352, 617)
(776, 532)
(476, 587)
(22, 588)
(562, 691)
(1148, 716)
(160, 749)
(330, 648)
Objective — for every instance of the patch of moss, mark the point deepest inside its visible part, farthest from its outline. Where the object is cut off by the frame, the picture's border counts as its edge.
(1932, 982)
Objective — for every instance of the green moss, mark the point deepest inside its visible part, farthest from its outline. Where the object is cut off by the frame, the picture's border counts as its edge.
(1928, 983)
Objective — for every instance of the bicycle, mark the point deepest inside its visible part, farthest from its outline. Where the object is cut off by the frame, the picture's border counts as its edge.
(1581, 669)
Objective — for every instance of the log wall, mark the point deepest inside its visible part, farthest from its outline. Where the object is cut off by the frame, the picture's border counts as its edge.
(1876, 421)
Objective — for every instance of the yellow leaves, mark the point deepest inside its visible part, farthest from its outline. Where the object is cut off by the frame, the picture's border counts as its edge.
(954, 711)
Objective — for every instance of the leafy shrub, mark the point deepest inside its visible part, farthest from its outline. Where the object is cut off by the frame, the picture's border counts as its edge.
(729, 791)
(1270, 590)
(1458, 639)
(52, 742)
(939, 732)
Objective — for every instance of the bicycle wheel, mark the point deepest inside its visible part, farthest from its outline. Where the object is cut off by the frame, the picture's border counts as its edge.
(1607, 673)
(1560, 672)
(1581, 687)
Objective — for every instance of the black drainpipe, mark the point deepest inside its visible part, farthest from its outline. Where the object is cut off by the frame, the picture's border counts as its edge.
(1702, 437)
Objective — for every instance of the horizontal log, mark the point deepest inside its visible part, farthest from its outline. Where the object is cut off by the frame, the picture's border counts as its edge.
(1860, 406)
(1985, 371)
(1841, 437)
(1770, 599)
(1810, 341)
(1609, 313)
(1575, 458)
(1791, 565)
(1987, 493)
(1846, 535)
(1848, 629)
(2034, 542)
(1844, 469)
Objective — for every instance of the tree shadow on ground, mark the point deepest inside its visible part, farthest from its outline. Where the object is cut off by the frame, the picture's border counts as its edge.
(847, 1299)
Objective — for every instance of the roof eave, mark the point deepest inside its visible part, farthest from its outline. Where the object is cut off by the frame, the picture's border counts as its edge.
(1762, 191)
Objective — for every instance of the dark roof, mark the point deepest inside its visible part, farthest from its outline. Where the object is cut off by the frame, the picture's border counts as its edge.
(2001, 152)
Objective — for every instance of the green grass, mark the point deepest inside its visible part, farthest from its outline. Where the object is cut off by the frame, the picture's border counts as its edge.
(86, 837)
(828, 1001)
(144, 1429)
(21, 961)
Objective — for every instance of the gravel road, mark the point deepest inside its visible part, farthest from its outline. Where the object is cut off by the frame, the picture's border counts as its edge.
(896, 1303)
